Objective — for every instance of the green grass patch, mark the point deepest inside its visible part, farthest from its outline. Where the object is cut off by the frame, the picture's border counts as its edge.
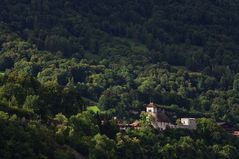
(93, 108)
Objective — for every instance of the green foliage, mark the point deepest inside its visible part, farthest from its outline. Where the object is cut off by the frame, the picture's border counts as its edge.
(4, 115)
(84, 124)
(31, 103)
(57, 57)
(24, 141)
(129, 147)
(236, 83)
(104, 148)
(93, 108)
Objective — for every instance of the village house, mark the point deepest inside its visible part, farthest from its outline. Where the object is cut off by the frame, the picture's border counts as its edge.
(161, 121)
(124, 126)
(229, 128)
(188, 123)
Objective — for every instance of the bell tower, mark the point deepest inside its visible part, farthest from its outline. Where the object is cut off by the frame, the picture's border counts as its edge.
(151, 108)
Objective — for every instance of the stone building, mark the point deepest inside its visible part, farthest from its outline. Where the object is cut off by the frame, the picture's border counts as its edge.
(188, 123)
(161, 121)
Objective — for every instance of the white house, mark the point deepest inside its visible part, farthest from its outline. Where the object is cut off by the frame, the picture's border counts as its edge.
(188, 123)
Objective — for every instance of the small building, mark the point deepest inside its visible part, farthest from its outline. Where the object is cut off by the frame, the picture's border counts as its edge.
(159, 119)
(188, 123)
(135, 124)
(236, 133)
(227, 127)
(125, 126)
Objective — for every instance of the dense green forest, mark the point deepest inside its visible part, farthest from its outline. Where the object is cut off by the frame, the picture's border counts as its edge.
(58, 58)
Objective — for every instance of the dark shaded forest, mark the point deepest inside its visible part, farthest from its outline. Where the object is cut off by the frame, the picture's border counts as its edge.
(59, 58)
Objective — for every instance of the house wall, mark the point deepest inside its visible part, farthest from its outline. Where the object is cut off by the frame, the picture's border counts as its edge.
(151, 110)
(162, 125)
(185, 121)
(188, 123)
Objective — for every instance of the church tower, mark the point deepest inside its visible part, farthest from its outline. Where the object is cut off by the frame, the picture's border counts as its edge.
(151, 108)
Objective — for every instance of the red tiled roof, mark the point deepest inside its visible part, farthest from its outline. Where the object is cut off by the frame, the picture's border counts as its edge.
(135, 123)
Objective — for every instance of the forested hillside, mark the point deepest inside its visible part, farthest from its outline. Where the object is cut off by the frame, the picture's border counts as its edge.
(59, 59)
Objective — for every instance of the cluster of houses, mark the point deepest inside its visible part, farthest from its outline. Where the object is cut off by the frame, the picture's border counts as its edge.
(160, 121)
